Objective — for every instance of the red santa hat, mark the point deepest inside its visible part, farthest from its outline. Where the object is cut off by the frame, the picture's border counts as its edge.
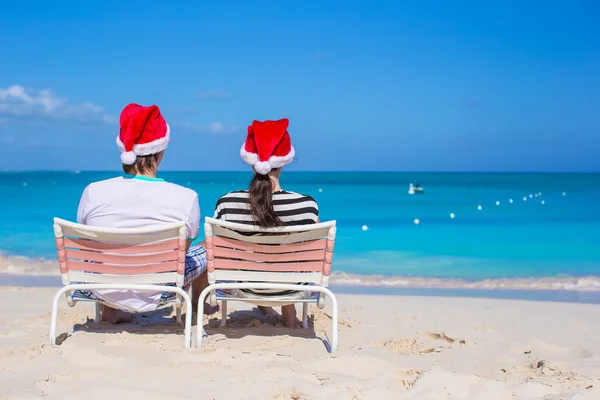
(144, 131)
(268, 146)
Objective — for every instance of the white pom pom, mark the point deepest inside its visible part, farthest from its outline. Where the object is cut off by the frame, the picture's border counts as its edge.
(262, 167)
(128, 157)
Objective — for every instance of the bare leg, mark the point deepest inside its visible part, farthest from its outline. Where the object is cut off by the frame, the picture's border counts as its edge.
(289, 315)
(198, 286)
(114, 316)
(267, 310)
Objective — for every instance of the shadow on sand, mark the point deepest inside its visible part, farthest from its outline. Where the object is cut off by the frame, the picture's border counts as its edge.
(239, 324)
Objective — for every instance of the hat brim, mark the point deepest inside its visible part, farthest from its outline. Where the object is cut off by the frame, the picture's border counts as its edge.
(146, 149)
(274, 161)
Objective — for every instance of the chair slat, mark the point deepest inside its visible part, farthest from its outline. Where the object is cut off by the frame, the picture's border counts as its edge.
(313, 255)
(146, 279)
(83, 233)
(258, 276)
(310, 266)
(92, 256)
(273, 249)
(121, 248)
(122, 270)
(286, 238)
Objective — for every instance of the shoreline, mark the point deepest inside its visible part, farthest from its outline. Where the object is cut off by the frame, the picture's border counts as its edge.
(22, 268)
(543, 295)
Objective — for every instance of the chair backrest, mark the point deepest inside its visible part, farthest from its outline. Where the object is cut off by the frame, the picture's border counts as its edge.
(292, 254)
(136, 256)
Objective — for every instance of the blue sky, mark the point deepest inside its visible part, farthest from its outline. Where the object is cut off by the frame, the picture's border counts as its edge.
(396, 85)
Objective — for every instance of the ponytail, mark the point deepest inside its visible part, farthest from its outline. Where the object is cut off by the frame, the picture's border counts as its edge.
(261, 202)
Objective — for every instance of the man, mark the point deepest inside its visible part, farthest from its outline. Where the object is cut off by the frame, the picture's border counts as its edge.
(140, 199)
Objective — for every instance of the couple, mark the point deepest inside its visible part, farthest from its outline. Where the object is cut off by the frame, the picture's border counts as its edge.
(140, 199)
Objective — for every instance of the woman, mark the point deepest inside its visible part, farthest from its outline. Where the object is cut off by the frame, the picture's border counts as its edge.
(140, 199)
(268, 148)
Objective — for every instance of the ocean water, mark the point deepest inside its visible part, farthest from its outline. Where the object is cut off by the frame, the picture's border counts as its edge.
(524, 239)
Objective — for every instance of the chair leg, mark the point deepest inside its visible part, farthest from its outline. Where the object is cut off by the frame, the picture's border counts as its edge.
(98, 308)
(54, 318)
(187, 330)
(223, 314)
(334, 323)
(179, 306)
(305, 315)
(200, 332)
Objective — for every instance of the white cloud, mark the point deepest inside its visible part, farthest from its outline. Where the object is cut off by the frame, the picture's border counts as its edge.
(17, 102)
(215, 128)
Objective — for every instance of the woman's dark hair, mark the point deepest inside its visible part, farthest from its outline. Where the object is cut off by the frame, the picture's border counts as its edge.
(261, 201)
(143, 165)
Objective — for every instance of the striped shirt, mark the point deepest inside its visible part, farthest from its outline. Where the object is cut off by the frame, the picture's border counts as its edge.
(291, 208)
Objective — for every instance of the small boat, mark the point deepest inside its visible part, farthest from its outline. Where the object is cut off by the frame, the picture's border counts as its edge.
(415, 189)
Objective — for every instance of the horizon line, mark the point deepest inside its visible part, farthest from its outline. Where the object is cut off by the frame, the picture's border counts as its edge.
(76, 171)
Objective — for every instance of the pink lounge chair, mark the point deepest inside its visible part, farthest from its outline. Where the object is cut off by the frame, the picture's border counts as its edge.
(92, 258)
(286, 258)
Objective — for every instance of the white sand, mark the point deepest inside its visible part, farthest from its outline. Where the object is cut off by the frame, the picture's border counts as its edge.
(390, 348)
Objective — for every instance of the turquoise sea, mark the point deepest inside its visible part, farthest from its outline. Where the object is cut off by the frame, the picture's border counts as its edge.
(554, 233)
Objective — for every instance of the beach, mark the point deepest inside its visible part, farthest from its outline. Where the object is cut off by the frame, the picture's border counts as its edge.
(391, 347)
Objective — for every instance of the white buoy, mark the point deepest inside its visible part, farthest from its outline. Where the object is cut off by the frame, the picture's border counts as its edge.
(417, 222)
(479, 208)
(524, 198)
(543, 202)
(536, 195)
(564, 193)
(364, 228)
(530, 196)
(497, 203)
(24, 183)
(320, 190)
(510, 201)
(452, 215)
(539, 193)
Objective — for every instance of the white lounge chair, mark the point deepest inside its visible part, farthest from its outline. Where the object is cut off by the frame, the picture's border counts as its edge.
(285, 258)
(92, 258)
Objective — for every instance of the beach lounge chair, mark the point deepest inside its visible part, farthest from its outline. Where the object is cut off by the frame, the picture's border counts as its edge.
(286, 258)
(92, 258)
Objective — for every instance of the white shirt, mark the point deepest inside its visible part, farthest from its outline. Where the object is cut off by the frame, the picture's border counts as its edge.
(137, 202)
